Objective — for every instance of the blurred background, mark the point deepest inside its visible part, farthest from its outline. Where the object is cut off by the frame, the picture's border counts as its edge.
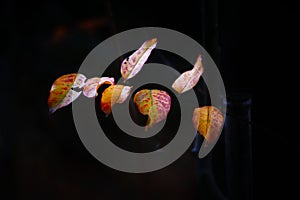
(253, 43)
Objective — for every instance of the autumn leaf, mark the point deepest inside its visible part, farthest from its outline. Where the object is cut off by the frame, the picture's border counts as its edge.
(62, 93)
(154, 103)
(208, 120)
(189, 79)
(91, 85)
(134, 63)
(112, 95)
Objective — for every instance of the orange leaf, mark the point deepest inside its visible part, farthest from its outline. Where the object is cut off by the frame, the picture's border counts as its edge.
(112, 95)
(208, 120)
(189, 79)
(62, 93)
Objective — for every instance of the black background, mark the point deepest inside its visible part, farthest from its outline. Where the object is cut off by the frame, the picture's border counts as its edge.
(255, 46)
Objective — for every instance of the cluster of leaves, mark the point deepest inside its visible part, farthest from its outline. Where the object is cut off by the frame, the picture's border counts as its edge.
(207, 120)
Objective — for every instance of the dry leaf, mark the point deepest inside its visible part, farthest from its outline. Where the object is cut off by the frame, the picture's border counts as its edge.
(134, 63)
(114, 94)
(154, 103)
(62, 93)
(189, 79)
(91, 85)
(208, 121)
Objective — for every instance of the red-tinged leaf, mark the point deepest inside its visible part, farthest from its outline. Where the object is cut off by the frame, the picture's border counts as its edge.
(189, 79)
(208, 121)
(154, 103)
(91, 85)
(62, 93)
(134, 63)
(112, 95)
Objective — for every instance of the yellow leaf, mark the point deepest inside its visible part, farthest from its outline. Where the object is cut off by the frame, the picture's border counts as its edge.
(208, 121)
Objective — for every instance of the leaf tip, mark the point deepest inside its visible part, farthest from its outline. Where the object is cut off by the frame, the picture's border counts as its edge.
(154, 40)
(52, 110)
(177, 88)
(199, 57)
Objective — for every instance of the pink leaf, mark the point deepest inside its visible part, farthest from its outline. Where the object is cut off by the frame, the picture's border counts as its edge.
(189, 79)
(134, 63)
(91, 85)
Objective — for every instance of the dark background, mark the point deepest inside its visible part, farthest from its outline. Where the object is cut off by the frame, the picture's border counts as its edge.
(254, 43)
